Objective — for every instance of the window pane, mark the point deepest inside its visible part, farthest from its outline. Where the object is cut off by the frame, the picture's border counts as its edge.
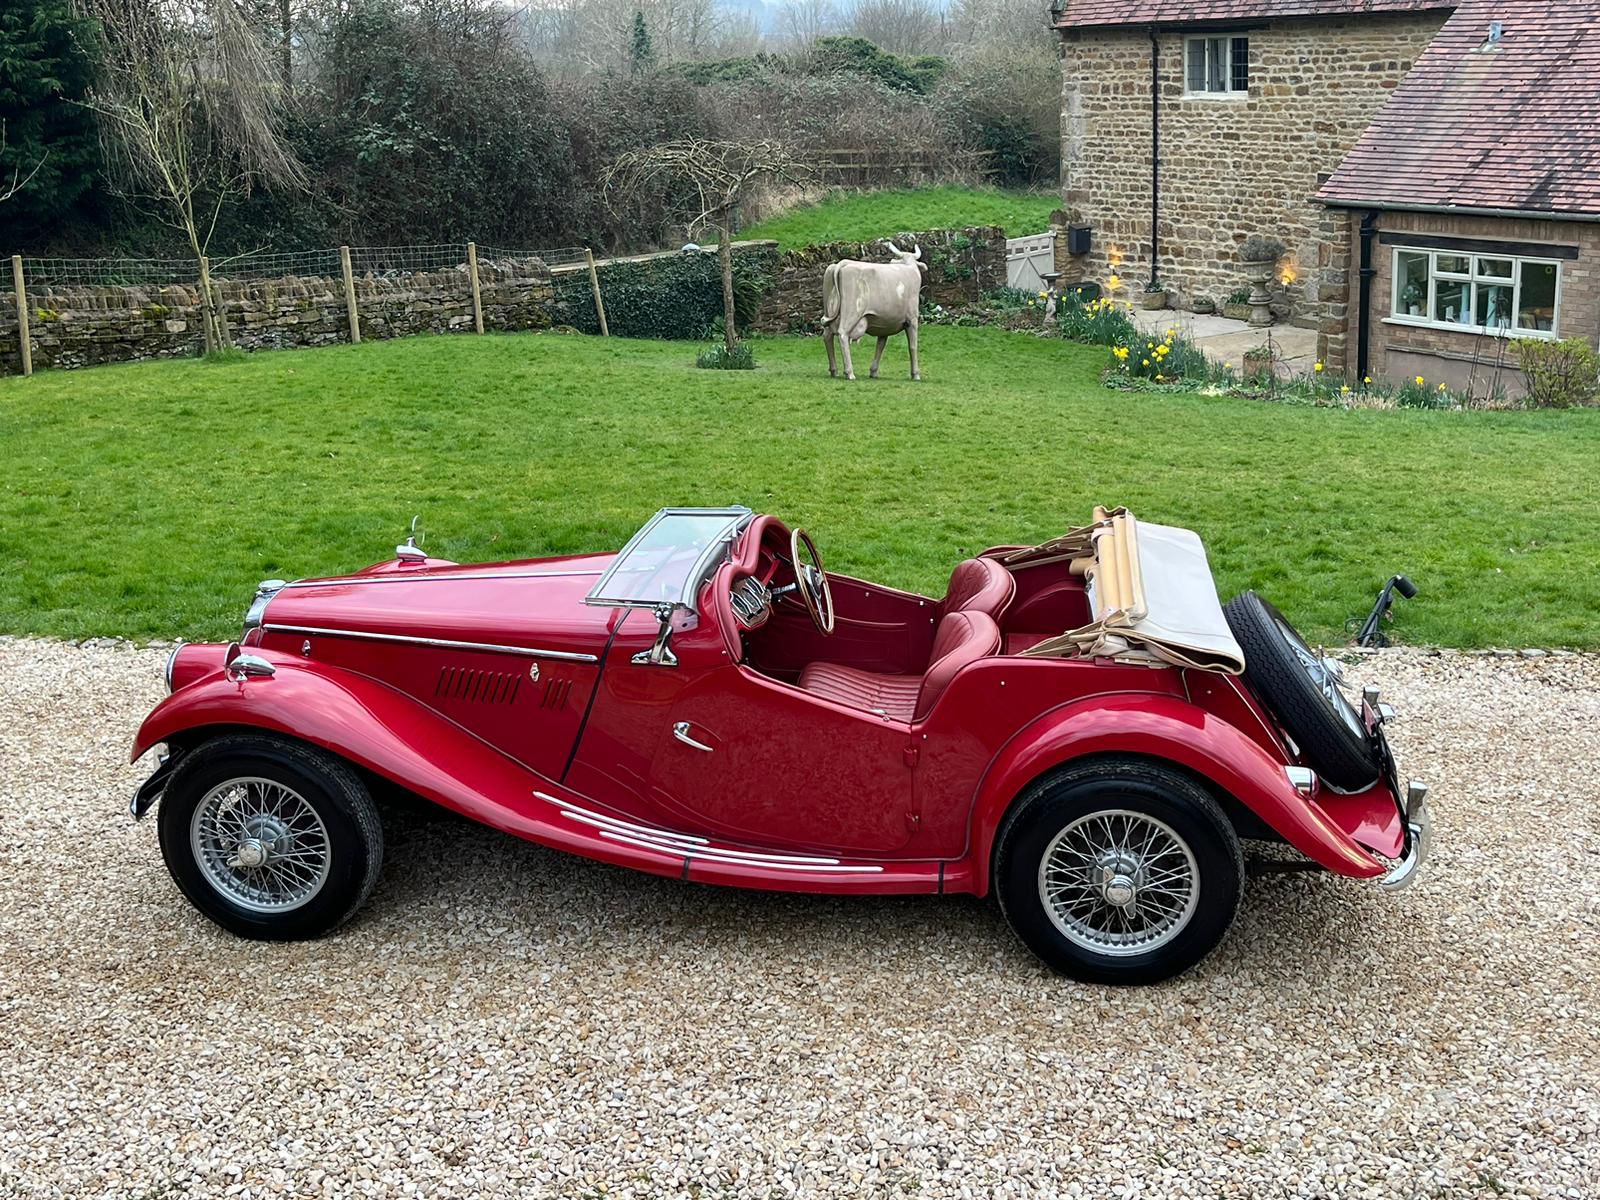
(1216, 65)
(1452, 302)
(1411, 285)
(1538, 303)
(1494, 305)
(1494, 268)
(1455, 264)
(1241, 64)
(1197, 65)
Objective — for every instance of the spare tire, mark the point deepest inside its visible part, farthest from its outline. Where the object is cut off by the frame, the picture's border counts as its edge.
(1304, 694)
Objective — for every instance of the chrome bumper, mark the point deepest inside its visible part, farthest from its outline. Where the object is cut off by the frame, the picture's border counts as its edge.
(1419, 840)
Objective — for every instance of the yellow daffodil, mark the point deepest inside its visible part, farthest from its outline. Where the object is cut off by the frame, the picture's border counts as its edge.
(1443, 388)
(1318, 368)
(1421, 381)
(1367, 381)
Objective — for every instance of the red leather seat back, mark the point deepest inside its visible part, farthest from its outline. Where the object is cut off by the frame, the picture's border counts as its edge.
(980, 585)
(962, 638)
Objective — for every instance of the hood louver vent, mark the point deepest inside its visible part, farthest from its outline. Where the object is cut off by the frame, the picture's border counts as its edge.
(556, 693)
(478, 687)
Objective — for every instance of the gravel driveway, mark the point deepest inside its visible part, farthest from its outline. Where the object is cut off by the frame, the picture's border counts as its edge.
(503, 1020)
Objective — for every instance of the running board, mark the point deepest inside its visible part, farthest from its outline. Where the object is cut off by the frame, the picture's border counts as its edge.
(687, 846)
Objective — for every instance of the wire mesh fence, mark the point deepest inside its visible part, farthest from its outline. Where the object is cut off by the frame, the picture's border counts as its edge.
(78, 311)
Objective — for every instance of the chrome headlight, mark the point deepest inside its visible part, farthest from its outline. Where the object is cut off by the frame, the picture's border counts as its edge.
(172, 661)
(265, 591)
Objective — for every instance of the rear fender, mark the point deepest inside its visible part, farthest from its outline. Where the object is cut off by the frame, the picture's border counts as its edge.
(1171, 729)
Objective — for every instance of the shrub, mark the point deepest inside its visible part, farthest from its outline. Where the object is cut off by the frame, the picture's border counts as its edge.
(1239, 296)
(720, 358)
(674, 298)
(1563, 374)
(1256, 248)
(1097, 322)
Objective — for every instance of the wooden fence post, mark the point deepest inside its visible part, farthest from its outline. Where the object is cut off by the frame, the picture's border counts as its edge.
(23, 336)
(594, 286)
(208, 318)
(350, 296)
(472, 273)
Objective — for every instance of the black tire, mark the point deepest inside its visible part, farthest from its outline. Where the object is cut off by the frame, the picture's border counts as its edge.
(1328, 741)
(1050, 807)
(335, 793)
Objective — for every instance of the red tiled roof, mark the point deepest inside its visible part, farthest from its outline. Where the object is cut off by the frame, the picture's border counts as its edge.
(1082, 14)
(1513, 127)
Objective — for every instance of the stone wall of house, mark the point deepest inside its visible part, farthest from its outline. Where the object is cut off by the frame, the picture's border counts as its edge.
(1464, 359)
(1230, 166)
(962, 265)
(83, 326)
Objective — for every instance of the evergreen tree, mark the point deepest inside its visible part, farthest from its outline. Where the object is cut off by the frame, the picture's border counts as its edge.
(642, 52)
(49, 140)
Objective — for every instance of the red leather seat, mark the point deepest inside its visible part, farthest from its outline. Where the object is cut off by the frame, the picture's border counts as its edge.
(962, 638)
(979, 585)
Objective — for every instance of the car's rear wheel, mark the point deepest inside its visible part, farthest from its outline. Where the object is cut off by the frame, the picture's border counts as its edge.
(1118, 871)
(1305, 692)
(270, 838)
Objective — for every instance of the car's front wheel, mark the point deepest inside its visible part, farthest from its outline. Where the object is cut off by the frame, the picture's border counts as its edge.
(270, 838)
(1118, 871)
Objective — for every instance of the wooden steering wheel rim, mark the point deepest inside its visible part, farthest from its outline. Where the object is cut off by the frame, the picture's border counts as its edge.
(819, 602)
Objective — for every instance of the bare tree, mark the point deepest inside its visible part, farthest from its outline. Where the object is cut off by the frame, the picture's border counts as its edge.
(18, 179)
(802, 22)
(720, 173)
(898, 26)
(189, 107)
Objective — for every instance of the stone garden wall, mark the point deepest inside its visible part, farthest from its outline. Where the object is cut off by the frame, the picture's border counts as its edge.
(962, 265)
(82, 325)
(669, 294)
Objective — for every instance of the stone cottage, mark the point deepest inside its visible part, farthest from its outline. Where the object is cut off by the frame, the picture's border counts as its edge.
(1470, 208)
(1433, 167)
(1188, 125)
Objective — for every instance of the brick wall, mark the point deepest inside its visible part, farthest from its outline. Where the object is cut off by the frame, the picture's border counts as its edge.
(1230, 167)
(962, 265)
(1466, 360)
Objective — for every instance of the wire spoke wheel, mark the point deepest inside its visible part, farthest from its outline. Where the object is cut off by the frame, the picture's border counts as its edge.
(260, 844)
(1119, 882)
(1326, 676)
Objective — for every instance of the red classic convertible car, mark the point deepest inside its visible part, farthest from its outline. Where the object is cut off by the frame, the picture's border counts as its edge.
(1079, 727)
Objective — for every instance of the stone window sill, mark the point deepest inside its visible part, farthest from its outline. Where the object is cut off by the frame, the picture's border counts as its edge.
(1469, 330)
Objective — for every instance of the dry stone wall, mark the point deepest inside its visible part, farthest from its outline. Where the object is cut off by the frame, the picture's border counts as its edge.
(84, 326)
(962, 265)
(1230, 166)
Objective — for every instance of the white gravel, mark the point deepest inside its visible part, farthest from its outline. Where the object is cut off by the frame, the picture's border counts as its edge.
(506, 1021)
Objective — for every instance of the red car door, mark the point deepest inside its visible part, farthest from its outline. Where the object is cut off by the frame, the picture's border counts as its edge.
(753, 759)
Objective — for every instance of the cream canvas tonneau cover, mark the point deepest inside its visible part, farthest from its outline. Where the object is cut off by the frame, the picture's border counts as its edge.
(1150, 592)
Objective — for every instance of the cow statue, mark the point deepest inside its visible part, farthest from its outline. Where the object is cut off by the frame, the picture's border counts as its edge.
(882, 299)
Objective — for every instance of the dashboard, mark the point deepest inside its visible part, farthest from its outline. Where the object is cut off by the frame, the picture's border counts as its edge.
(752, 602)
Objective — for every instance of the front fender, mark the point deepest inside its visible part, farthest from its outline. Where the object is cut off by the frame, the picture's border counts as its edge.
(1171, 729)
(388, 733)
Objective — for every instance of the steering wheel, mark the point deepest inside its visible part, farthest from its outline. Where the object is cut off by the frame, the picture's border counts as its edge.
(811, 582)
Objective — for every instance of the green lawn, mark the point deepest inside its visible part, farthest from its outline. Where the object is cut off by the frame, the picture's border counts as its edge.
(860, 216)
(147, 500)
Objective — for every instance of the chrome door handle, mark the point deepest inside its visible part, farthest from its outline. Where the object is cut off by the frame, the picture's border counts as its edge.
(681, 732)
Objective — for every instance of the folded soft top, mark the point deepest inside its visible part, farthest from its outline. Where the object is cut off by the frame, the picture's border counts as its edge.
(1150, 591)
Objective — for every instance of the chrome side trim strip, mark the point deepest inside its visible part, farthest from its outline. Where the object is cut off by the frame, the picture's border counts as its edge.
(601, 821)
(420, 578)
(720, 857)
(446, 643)
(688, 842)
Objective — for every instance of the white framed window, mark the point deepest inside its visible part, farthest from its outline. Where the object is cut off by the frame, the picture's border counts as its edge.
(1477, 293)
(1216, 66)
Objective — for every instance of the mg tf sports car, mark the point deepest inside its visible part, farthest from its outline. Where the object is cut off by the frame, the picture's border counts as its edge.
(1079, 727)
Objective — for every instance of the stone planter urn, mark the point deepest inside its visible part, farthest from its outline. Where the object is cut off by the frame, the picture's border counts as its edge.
(1152, 300)
(1260, 275)
(1260, 257)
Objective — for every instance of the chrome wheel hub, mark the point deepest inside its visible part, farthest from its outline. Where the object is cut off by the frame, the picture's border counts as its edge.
(1119, 882)
(260, 845)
